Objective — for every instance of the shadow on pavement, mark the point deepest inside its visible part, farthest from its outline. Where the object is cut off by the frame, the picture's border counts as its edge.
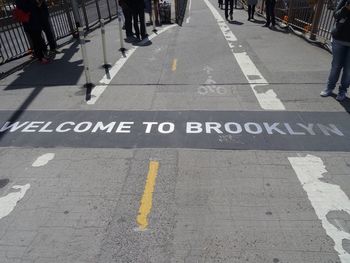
(58, 72)
(38, 77)
(346, 104)
(256, 21)
(234, 22)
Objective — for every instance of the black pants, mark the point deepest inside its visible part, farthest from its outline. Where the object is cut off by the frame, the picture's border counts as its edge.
(37, 41)
(139, 15)
(227, 2)
(48, 33)
(128, 21)
(270, 12)
(251, 11)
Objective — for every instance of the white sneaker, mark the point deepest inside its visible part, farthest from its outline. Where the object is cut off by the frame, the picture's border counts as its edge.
(326, 93)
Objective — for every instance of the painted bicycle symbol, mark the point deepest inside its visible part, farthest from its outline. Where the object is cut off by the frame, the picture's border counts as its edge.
(210, 87)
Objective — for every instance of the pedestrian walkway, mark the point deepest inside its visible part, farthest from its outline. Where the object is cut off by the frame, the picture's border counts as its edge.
(207, 143)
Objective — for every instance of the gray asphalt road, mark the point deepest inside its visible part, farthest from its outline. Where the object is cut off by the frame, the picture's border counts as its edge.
(209, 143)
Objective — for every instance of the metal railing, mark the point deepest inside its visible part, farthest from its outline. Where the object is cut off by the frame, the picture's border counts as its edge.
(312, 18)
(14, 42)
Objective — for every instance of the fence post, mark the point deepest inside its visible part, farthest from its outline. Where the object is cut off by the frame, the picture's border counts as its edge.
(88, 83)
(83, 5)
(98, 9)
(316, 20)
(103, 35)
(119, 12)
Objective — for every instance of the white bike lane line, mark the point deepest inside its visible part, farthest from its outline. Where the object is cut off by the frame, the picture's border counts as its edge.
(326, 198)
(268, 100)
(107, 78)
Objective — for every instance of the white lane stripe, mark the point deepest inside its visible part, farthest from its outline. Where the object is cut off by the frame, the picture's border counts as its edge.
(267, 99)
(189, 10)
(9, 202)
(106, 80)
(324, 197)
(43, 159)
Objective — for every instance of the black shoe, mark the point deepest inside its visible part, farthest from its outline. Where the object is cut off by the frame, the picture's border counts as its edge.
(231, 17)
(266, 25)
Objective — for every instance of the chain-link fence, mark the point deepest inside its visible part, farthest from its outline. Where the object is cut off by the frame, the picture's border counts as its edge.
(14, 42)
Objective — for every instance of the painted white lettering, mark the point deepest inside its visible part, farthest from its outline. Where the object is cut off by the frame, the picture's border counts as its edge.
(291, 131)
(149, 125)
(83, 126)
(124, 127)
(193, 127)
(169, 125)
(209, 126)
(100, 126)
(32, 126)
(309, 128)
(273, 127)
(60, 127)
(44, 128)
(13, 127)
(332, 128)
(253, 128)
(229, 126)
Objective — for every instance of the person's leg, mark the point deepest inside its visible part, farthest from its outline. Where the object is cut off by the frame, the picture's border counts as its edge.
(272, 12)
(226, 9)
(136, 24)
(345, 80)
(338, 61)
(268, 14)
(37, 44)
(253, 12)
(142, 22)
(128, 22)
(49, 34)
(249, 11)
(231, 8)
(156, 11)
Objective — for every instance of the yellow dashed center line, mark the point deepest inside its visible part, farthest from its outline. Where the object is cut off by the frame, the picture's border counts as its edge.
(146, 201)
(173, 68)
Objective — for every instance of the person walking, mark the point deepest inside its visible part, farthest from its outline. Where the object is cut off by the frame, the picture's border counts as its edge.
(270, 13)
(340, 51)
(251, 9)
(29, 15)
(138, 14)
(227, 2)
(46, 25)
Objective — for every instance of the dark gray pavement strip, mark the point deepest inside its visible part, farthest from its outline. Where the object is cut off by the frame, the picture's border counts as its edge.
(302, 131)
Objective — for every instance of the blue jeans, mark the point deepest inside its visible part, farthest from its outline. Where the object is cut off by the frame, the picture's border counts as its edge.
(341, 61)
